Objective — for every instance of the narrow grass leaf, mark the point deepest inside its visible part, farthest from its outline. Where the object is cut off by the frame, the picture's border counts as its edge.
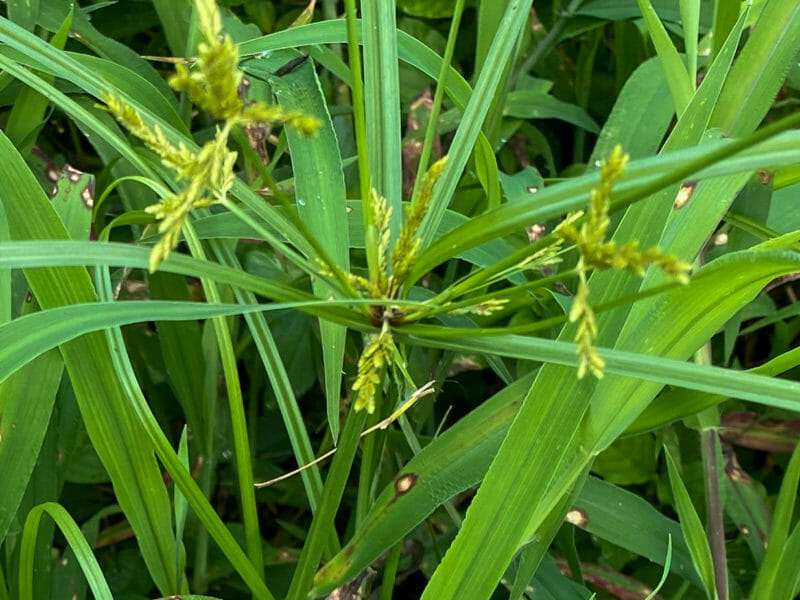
(692, 528)
(321, 194)
(114, 432)
(770, 572)
(75, 540)
(500, 54)
(680, 86)
(382, 104)
(690, 19)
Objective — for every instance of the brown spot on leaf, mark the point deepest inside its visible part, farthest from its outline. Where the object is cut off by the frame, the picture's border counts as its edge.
(73, 174)
(532, 189)
(87, 197)
(765, 177)
(577, 516)
(404, 484)
(684, 195)
(536, 232)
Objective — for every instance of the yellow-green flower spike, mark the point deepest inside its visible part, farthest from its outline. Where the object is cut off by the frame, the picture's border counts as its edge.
(596, 253)
(407, 246)
(381, 216)
(370, 367)
(588, 358)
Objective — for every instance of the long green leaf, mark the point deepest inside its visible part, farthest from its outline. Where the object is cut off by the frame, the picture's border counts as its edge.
(112, 427)
(539, 438)
(770, 573)
(680, 86)
(76, 541)
(320, 189)
(26, 403)
(500, 54)
(640, 179)
(692, 528)
(760, 69)
(382, 103)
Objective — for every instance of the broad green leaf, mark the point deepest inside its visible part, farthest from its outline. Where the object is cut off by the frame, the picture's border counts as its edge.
(73, 201)
(26, 402)
(175, 16)
(640, 117)
(760, 69)
(24, 12)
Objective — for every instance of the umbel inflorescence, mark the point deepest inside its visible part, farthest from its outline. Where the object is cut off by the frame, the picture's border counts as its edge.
(211, 83)
(387, 280)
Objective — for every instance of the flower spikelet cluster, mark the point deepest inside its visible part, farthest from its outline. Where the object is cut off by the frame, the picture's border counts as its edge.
(407, 246)
(597, 253)
(370, 366)
(210, 177)
(386, 282)
(381, 215)
(588, 358)
(212, 83)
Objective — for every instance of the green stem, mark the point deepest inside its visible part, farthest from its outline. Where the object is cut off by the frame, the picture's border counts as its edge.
(482, 276)
(709, 443)
(241, 444)
(390, 571)
(545, 44)
(360, 126)
(323, 520)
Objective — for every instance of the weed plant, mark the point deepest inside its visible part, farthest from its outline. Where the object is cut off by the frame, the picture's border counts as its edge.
(441, 300)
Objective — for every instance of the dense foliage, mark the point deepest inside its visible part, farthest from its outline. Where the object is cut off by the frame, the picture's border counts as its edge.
(522, 276)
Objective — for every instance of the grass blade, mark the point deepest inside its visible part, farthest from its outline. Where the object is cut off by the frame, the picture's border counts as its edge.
(680, 86)
(692, 528)
(321, 194)
(114, 432)
(382, 97)
(500, 54)
(76, 541)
